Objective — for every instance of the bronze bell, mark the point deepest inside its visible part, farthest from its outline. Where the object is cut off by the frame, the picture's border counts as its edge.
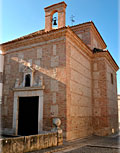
(54, 21)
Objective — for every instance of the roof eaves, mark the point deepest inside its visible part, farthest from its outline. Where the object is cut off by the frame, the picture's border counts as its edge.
(34, 34)
(98, 33)
(108, 53)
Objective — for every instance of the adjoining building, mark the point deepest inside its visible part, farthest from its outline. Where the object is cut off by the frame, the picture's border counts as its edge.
(66, 73)
(119, 110)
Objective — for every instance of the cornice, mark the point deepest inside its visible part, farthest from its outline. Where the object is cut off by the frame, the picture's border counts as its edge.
(109, 58)
(97, 34)
(32, 39)
(38, 37)
(81, 26)
(44, 36)
(57, 4)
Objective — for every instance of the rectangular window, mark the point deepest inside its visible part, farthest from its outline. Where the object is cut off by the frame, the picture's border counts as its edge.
(111, 78)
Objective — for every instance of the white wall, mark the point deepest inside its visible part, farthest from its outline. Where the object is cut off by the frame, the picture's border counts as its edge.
(1, 62)
(1, 70)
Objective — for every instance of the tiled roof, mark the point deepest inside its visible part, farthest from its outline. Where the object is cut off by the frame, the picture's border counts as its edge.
(40, 32)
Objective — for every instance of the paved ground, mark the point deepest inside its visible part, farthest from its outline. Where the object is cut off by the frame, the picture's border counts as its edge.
(93, 144)
(88, 149)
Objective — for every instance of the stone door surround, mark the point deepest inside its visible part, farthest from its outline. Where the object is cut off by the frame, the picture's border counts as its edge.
(27, 92)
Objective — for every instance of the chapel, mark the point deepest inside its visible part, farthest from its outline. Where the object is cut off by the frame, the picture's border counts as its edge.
(64, 72)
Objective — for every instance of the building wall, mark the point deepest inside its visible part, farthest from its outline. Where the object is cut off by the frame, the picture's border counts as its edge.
(112, 98)
(79, 93)
(76, 83)
(119, 109)
(49, 60)
(100, 117)
(83, 33)
(104, 97)
(89, 35)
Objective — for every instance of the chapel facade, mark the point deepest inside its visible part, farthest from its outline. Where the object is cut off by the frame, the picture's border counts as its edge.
(64, 73)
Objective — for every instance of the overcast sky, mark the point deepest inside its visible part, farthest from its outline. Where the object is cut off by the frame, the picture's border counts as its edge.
(21, 17)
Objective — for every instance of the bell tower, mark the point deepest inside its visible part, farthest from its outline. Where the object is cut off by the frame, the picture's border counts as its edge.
(49, 12)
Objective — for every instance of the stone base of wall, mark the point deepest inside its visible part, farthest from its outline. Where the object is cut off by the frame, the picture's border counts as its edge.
(30, 143)
(79, 133)
(105, 131)
(7, 131)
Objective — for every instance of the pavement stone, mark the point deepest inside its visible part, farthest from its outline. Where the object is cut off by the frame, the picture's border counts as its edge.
(92, 149)
(94, 144)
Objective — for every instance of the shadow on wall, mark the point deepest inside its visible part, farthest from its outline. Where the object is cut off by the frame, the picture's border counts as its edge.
(54, 76)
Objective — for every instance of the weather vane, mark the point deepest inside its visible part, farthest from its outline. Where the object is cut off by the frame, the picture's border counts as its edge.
(72, 19)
